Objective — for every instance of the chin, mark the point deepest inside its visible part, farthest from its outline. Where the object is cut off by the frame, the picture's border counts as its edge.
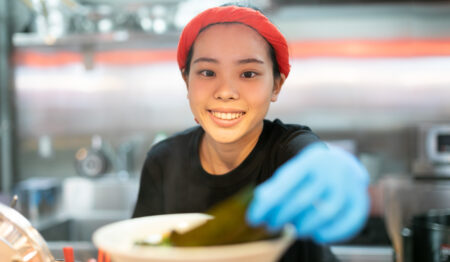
(224, 136)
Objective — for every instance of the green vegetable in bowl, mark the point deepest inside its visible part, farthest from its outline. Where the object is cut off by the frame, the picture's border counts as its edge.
(228, 226)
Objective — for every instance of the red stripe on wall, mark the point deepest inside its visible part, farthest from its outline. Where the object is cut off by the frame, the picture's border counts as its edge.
(298, 49)
(40, 59)
(371, 48)
(121, 57)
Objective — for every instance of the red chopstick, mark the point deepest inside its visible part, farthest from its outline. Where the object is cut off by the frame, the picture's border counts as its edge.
(68, 254)
(107, 258)
(100, 256)
(103, 256)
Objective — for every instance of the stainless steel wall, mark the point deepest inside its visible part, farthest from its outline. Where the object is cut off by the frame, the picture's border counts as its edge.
(372, 101)
(377, 102)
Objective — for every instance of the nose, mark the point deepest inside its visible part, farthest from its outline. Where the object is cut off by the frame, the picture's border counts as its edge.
(226, 90)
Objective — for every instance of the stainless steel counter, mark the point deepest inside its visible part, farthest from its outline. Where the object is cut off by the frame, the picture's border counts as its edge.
(85, 250)
(364, 253)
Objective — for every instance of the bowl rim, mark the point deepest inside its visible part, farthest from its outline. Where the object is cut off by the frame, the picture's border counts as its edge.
(198, 253)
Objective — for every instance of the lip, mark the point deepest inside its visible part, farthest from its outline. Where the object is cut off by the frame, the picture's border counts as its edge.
(226, 110)
(224, 122)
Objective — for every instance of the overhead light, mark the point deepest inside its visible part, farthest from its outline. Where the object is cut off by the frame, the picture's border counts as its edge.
(159, 26)
(159, 11)
(105, 25)
(146, 24)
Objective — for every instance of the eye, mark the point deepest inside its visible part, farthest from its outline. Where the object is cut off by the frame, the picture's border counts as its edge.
(207, 73)
(248, 74)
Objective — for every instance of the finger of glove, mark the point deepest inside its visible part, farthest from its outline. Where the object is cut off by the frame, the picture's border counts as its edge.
(298, 202)
(322, 211)
(279, 187)
(348, 224)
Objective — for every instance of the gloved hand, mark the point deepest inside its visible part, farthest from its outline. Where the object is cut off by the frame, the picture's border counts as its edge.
(321, 191)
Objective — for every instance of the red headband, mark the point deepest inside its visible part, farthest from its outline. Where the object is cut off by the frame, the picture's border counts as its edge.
(243, 15)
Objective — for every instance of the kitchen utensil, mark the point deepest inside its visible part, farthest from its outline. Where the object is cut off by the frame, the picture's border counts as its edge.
(405, 198)
(433, 160)
(393, 215)
(39, 197)
(19, 240)
(428, 237)
(102, 256)
(68, 254)
(92, 162)
(118, 240)
(14, 201)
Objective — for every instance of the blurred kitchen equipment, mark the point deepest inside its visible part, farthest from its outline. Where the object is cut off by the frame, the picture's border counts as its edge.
(414, 203)
(393, 215)
(428, 237)
(55, 19)
(87, 196)
(92, 162)
(39, 197)
(124, 159)
(405, 201)
(118, 240)
(433, 151)
(13, 201)
(20, 241)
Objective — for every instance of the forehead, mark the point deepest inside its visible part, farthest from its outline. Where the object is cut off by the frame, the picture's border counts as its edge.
(237, 37)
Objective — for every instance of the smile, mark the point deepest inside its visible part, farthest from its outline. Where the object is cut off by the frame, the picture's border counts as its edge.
(227, 116)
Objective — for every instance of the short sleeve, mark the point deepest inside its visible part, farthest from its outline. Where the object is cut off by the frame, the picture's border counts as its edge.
(295, 142)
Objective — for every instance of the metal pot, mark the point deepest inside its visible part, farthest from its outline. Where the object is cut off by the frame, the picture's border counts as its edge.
(92, 162)
(428, 237)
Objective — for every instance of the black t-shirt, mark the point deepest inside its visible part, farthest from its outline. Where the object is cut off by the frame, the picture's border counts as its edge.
(173, 180)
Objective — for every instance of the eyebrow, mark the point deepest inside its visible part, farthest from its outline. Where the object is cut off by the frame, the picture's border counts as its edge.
(250, 60)
(205, 59)
(242, 61)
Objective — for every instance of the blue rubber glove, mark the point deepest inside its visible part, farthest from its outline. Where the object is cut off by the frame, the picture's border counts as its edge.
(321, 191)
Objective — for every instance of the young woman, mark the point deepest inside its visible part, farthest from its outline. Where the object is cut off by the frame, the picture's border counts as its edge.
(234, 62)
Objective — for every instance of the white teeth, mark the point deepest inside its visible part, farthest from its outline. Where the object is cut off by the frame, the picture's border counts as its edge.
(227, 116)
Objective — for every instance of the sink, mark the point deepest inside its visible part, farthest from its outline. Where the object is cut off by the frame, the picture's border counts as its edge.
(87, 204)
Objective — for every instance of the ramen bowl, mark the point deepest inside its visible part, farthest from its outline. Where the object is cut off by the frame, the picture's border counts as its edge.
(119, 241)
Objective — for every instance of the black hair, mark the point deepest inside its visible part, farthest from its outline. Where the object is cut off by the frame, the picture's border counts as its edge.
(275, 67)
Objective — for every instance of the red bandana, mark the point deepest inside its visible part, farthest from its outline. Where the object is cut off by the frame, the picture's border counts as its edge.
(243, 15)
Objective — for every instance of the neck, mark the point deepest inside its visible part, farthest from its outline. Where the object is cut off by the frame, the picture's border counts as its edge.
(220, 158)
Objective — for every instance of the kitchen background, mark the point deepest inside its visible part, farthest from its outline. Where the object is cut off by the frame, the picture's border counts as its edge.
(93, 84)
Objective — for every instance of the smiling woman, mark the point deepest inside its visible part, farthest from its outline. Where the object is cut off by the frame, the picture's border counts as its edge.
(234, 62)
(230, 86)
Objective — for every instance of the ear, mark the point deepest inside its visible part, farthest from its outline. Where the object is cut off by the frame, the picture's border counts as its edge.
(277, 84)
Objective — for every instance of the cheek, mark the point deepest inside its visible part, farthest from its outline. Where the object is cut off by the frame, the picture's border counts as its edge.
(260, 96)
(196, 93)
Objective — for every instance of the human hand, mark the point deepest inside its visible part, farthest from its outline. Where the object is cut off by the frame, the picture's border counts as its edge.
(321, 191)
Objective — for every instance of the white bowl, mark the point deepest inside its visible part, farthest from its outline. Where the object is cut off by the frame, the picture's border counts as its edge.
(118, 240)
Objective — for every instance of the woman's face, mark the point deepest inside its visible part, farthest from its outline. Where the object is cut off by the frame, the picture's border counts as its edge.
(230, 82)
